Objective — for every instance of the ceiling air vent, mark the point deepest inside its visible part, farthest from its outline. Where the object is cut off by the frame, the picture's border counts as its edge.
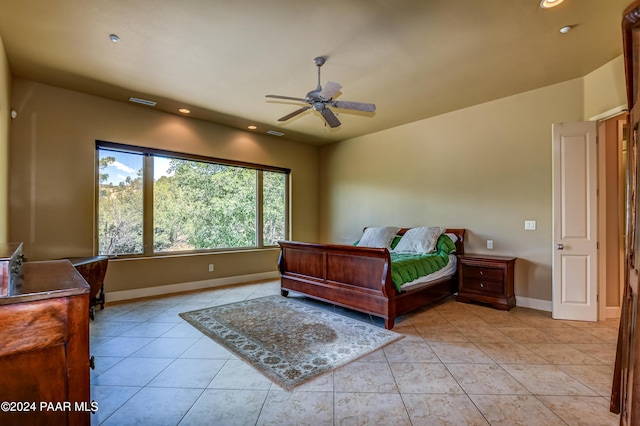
(142, 101)
(274, 133)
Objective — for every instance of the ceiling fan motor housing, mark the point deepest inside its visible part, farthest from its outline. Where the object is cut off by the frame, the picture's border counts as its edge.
(313, 95)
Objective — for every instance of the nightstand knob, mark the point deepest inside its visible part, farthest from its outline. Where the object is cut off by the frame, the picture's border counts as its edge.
(481, 272)
(481, 285)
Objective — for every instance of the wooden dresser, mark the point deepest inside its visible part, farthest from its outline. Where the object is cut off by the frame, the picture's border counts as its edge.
(44, 347)
(93, 269)
(487, 279)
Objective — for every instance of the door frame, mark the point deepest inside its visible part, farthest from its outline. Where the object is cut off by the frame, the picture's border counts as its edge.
(604, 187)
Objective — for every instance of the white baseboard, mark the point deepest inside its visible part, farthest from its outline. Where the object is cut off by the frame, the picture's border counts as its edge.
(612, 312)
(541, 305)
(115, 296)
(546, 305)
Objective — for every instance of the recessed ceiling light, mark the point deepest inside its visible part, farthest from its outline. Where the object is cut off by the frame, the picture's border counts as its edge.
(114, 38)
(547, 4)
(252, 127)
(184, 111)
(565, 29)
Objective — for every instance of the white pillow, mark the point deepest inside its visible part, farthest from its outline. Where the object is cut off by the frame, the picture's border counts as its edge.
(453, 237)
(419, 240)
(379, 237)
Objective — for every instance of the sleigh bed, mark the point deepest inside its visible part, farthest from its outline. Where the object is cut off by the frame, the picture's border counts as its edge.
(360, 278)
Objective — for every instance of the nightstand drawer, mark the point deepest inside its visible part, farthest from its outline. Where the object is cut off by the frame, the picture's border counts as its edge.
(481, 273)
(483, 286)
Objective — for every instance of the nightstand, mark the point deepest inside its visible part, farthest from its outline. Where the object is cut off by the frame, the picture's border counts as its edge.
(486, 279)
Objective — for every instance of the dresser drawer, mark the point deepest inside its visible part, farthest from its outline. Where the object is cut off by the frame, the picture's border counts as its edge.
(483, 286)
(483, 273)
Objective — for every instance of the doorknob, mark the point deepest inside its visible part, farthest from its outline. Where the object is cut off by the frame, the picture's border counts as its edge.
(559, 246)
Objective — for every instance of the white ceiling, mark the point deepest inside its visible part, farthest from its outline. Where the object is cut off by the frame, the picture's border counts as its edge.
(413, 58)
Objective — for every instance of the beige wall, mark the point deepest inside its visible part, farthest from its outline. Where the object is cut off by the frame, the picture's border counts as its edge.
(486, 168)
(52, 179)
(605, 88)
(5, 108)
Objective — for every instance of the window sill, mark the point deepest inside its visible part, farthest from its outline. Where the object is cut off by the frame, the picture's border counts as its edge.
(192, 254)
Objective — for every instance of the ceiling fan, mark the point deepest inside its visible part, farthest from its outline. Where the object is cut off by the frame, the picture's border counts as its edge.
(321, 98)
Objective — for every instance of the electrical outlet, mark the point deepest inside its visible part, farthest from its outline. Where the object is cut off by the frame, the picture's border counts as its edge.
(490, 244)
(211, 267)
(530, 225)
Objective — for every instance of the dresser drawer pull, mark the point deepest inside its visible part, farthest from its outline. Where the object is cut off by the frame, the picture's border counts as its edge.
(481, 285)
(481, 272)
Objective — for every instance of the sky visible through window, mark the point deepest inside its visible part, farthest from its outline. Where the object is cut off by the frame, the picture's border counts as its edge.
(128, 165)
(160, 166)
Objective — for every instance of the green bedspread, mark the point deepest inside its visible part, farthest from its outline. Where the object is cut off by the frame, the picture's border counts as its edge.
(406, 267)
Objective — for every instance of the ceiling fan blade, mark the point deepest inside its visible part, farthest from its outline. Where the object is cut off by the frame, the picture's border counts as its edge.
(286, 97)
(329, 90)
(359, 106)
(294, 113)
(330, 117)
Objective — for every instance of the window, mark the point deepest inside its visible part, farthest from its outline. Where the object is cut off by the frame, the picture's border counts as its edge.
(273, 207)
(158, 202)
(120, 215)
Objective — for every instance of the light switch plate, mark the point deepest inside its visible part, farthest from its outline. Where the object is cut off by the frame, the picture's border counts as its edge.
(530, 225)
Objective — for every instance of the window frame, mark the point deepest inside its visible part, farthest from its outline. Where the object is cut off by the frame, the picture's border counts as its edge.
(148, 201)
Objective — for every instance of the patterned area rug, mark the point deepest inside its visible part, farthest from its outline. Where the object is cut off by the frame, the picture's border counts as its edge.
(286, 340)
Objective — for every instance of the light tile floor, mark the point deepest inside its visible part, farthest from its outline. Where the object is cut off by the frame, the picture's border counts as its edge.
(459, 364)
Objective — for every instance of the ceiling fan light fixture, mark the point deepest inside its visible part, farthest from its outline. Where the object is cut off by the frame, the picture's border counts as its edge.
(548, 4)
(566, 29)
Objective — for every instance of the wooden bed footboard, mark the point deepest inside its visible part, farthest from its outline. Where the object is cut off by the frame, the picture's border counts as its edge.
(357, 278)
(353, 277)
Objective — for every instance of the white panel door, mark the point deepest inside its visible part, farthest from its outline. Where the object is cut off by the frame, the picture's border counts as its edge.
(575, 222)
